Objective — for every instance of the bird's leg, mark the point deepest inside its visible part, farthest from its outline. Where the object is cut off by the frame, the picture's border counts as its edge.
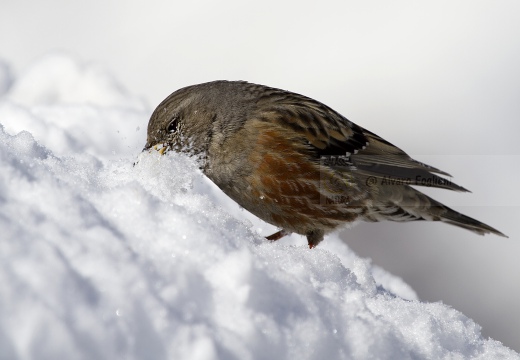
(314, 237)
(277, 235)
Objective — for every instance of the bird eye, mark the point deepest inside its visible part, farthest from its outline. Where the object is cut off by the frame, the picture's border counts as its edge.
(172, 126)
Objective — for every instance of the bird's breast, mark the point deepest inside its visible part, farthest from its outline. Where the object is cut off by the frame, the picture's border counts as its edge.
(271, 172)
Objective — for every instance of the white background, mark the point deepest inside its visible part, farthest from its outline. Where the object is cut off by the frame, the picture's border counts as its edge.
(439, 79)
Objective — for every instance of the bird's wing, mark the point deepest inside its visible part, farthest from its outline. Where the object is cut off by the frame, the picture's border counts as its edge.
(331, 134)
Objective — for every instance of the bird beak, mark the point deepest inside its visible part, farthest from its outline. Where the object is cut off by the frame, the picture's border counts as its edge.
(161, 148)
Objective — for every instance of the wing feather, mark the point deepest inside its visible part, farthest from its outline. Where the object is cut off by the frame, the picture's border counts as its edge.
(331, 134)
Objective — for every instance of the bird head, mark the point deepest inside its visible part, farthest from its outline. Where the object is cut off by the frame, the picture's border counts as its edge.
(180, 123)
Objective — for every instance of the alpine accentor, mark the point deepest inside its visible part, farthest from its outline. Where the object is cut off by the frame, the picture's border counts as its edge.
(296, 163)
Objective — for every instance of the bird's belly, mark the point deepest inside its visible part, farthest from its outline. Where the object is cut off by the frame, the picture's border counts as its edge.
(278, 178)
(297, 196)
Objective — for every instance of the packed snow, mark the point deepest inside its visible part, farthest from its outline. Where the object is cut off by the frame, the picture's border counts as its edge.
(104, 259)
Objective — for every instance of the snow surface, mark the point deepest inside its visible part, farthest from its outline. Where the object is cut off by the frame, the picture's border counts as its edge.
(101, 259)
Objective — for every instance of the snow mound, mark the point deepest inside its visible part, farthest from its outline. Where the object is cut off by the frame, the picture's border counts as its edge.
(58, 78)
(101, 259)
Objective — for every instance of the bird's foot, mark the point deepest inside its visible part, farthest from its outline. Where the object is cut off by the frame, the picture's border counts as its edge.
(277, 235)
(314, 237)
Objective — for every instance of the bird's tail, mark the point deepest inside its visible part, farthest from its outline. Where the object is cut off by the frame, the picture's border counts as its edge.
(404, 203)
(455, 218)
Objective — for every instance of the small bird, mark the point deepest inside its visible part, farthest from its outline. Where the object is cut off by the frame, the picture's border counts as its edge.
(296, 163)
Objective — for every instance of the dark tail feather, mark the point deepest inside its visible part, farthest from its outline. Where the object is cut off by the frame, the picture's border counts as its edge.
(404, 203)
(455, 218)
(407, 204)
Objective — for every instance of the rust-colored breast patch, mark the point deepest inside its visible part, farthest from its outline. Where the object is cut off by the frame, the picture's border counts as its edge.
(285, 181)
